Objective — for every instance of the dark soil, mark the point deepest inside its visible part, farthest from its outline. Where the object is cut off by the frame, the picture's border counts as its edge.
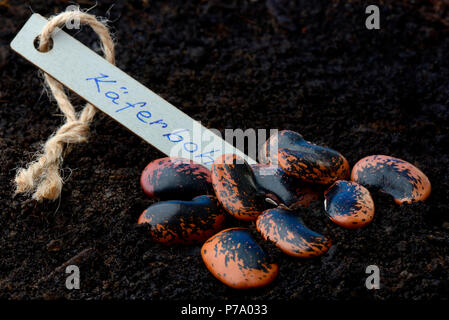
(308, 66)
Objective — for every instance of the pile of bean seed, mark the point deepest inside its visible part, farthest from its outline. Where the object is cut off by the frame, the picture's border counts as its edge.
(195, 202)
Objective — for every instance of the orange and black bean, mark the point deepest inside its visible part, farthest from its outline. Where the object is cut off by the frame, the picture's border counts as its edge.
(235, 259)
(287, 230)
(175, 179)
(396, 177)
(184, 222)
(236, 188)
(289, 190)
(307, 161)
(349, 204)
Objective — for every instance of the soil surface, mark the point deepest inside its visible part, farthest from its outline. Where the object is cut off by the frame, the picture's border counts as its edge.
(308, 66)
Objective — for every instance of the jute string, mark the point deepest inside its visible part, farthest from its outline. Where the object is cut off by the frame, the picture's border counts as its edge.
(42, 176)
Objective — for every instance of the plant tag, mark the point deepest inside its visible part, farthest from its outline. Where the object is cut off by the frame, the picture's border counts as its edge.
(120, 96)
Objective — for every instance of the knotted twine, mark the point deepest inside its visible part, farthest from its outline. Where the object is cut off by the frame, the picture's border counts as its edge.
(42, 176)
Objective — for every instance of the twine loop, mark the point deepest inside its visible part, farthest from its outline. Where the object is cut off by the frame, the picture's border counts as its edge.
(42, 176)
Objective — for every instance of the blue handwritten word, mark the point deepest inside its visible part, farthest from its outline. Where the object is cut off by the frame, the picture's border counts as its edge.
(143, 114)
(98, 80)
(207, 155)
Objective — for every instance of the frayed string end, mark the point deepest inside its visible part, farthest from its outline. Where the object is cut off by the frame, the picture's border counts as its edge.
(42, 177)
